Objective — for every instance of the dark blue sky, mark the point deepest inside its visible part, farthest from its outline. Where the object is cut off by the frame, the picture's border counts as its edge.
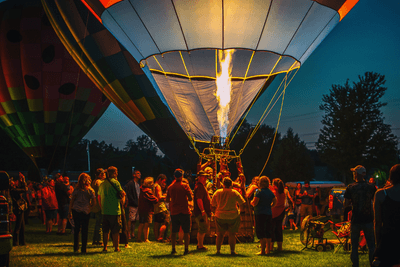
(367, 39)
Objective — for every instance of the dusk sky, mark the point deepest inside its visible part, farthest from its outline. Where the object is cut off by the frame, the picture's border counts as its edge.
(367, 39)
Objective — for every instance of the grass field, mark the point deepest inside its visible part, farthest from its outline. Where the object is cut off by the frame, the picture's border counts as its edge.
(53, 250)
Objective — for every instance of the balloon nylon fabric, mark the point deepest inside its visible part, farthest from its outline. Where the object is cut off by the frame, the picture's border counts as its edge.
(177, 42)
(43, 102)
(117, 74)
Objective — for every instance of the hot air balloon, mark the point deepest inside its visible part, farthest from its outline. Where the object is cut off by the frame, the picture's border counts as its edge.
(119, 76)
(47, 103)
(211, 58)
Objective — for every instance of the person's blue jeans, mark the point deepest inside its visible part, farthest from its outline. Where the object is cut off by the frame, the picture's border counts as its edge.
(368, 229)
(97, 234)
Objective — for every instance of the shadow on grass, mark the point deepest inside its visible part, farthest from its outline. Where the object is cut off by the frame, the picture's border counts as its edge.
(68, 254)
(168, 256)
(283, 253)
(227, 255)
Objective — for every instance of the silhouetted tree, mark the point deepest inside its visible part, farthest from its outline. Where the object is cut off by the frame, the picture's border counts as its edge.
(292, 160)
(256, 152)
(353, 129)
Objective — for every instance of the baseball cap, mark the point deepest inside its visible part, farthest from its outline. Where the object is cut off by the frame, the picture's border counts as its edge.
(359, 169)
(178, 173)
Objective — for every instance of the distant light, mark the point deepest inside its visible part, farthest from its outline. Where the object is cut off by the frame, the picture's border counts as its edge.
(377, 176)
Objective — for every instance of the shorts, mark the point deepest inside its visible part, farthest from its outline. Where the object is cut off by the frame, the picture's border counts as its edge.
(181, 220)
(305, 210)
(51, 214)
(63, 211)
(145, 218)
(230, 225)
(133, 214)
(203, 225)
(160, 217)
(263, 226)
(112, 223)
(292, 217)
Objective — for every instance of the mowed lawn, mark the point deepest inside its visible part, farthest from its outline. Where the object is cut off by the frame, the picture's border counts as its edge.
(53, 250)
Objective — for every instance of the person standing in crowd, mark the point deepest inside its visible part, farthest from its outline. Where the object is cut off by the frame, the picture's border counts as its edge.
(227, 213)
(317, 201)
(252, 188)
(19, 208)
(146, 208)
(82, 201)
(62, 194)
(278, 213)
(387, 221)
(360, 195)
(111, 208)
(288, 204)
(100, 176)
(202, 208)
(307, 196)
(132, 189)
(39, 203)
(264, 199)
(297, 202)
(160, 210)
(178, 195)
(49, 204)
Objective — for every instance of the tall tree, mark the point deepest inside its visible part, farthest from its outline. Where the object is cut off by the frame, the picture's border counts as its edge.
(292, 160)
(353, 130)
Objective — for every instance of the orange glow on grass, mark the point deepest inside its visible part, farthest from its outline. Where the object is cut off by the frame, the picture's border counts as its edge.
(346, 7)
(224, 88)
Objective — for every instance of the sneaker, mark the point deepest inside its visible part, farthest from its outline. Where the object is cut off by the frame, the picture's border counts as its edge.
(291, 229)
(117, 250)
(127, 246)
(173, 252)
(233, 253)
(186, 252)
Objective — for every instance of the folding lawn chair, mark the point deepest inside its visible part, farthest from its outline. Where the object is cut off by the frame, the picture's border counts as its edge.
(343, 235)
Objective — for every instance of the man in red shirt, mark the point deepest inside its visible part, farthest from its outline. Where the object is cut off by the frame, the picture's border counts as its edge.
(178, 195)
(202, 208)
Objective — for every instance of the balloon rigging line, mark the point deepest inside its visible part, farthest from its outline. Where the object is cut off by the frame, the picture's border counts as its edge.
(276, 131)
(263, 115)
(279, 118)
(185, 120)
(254, 100)
(241, 90)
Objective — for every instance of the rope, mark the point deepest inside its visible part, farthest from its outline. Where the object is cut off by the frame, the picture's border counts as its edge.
(279, 118)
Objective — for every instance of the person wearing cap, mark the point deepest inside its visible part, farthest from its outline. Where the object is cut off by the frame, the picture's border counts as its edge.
(360, 195)
(307, 199)
(178, 195)
(202, 208)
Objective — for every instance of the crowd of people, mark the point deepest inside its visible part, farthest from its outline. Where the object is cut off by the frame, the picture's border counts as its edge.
(215, 198)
